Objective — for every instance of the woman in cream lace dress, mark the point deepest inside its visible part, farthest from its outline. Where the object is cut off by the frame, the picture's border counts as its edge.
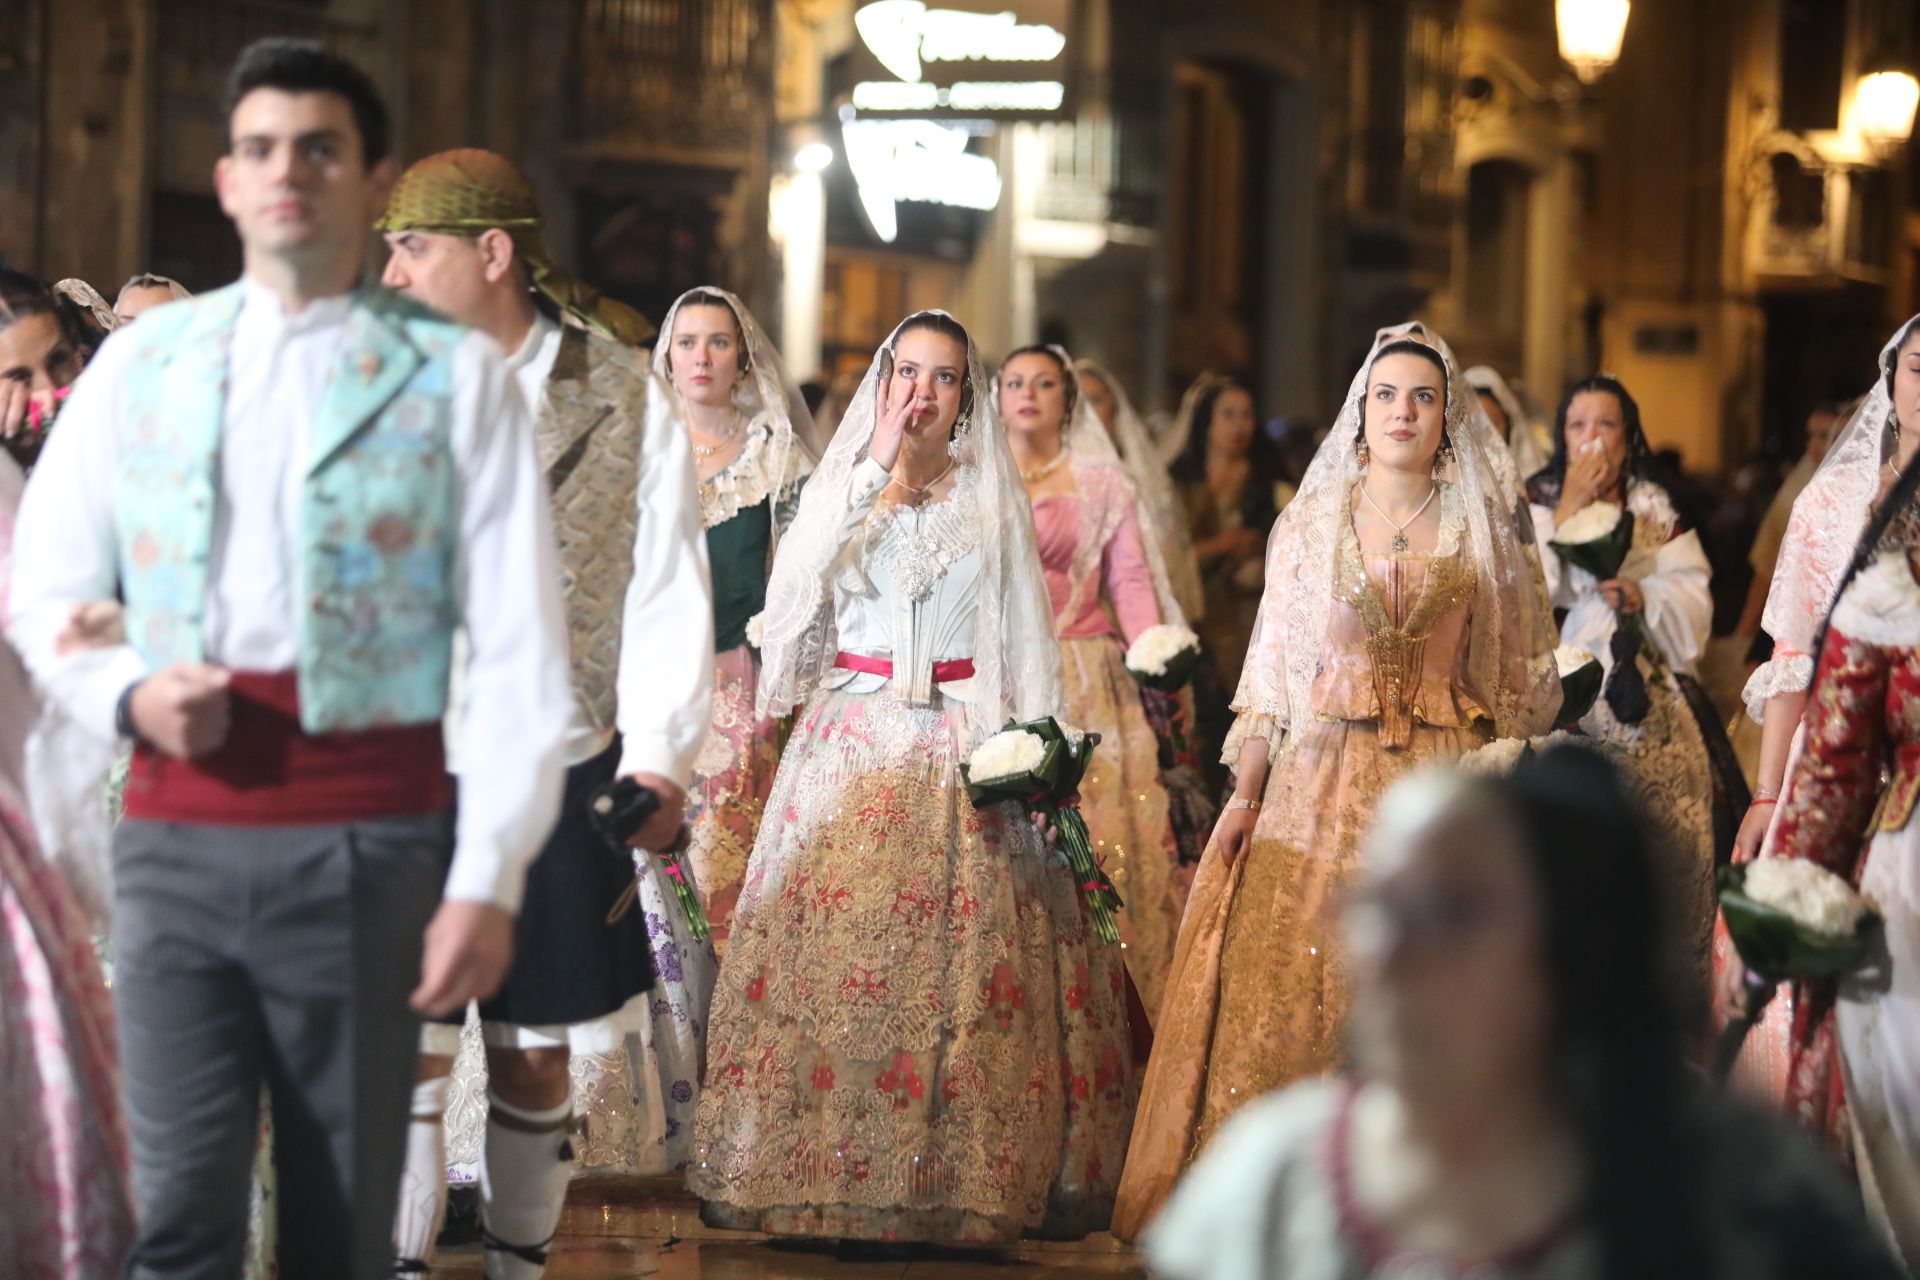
(1114, 424)
(915, 1036)
(1403, 621)
(1655, 613)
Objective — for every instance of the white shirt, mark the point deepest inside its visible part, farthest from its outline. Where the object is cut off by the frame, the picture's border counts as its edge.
(664, 689)
(506, 574)
(1676, 581)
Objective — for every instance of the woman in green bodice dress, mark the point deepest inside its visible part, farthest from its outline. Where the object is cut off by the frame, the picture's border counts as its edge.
(749, 426)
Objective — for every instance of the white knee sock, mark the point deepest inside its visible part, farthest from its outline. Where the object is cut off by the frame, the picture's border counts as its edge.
(523, 1181)
(423, 1182)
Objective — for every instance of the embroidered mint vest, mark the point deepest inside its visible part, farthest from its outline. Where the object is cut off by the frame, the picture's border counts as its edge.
(378, 523)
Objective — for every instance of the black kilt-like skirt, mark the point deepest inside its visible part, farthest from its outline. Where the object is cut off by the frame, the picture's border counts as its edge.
(569, 964)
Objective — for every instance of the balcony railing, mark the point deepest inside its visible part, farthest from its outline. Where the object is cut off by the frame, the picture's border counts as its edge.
(695, 76)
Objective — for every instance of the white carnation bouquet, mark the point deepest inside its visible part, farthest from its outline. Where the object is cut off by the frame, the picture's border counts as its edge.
(1497, 758)
(1164, 656)
(1594, 523)
(1007, 755)
(1791, 920)
(1038, 764)
(1505, 755)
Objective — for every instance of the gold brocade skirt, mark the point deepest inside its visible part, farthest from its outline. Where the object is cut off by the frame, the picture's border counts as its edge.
(915, 1036)
(731, 779)
(1126, 807)
(1258, 991)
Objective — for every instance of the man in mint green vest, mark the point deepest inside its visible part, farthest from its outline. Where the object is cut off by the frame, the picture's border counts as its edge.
(300, 486)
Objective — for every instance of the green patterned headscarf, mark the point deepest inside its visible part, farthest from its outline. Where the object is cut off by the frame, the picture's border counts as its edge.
(466, 192)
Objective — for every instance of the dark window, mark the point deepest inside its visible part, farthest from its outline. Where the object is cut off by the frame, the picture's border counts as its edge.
(1870, 218)
(1497, 197)
(1799, 194)
(1813, 35)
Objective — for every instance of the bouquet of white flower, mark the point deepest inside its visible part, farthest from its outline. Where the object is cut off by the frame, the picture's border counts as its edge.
(1008, 755)
(1790, 919)
(1038, 764)
(1597, 538)
(1580, 679)
(1496, 759)
(1164, 656)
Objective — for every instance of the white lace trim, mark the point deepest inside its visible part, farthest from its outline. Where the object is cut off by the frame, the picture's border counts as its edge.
(742, 484)
(921, 545)
(1882, 607)
(1652, 508)
(1792, 673)
(1248, 725)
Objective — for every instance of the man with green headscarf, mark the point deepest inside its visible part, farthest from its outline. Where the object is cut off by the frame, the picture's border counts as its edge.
(464, 231)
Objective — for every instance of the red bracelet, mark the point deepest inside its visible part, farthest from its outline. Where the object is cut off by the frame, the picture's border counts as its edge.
(1764, 800)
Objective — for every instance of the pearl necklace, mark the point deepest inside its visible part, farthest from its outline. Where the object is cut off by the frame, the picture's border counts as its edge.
(721, 443)
(1047, 468)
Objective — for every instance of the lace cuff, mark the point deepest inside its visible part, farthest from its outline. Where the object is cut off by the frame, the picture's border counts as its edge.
(1249, 724)
(1783, 673)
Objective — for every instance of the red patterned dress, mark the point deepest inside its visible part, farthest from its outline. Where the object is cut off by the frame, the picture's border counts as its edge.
(1854, 1069)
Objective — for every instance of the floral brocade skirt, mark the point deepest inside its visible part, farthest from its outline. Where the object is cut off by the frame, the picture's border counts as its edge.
(68, 1210)
(1258, 991)
(634, 1098)
(1667, 761)
(1125, 807)
(915, 1036)
(731, 779)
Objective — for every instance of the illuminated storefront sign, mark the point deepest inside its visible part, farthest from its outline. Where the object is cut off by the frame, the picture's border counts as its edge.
(970, 59)
(915, 160)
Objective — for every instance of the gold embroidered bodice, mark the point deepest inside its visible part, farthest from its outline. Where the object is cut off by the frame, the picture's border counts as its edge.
(1397, 635)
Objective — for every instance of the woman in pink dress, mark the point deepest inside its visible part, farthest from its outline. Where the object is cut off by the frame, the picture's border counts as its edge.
(66, 1210)
(1108, 584)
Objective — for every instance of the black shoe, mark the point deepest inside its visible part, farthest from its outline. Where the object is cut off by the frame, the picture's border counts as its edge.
(462, 1225)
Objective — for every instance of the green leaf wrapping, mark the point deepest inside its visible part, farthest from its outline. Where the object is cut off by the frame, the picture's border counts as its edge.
(1045, 790)
(1579, 690)
(1180, 669)
(1601, 557)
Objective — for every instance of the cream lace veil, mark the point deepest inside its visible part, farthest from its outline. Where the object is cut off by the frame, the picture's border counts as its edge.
(1499, 456)
(1826, 523)
(1168, 514)
(1510, 663)
(1016, 657)
(767, 397)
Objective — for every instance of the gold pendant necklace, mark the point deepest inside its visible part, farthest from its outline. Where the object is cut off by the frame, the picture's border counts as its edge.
(920, 492)
(1399, 543)
(1047, 468)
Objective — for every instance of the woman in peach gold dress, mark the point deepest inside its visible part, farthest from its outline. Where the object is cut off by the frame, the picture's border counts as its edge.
(1404, 621)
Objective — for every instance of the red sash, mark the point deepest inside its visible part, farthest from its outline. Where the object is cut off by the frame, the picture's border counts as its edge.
(943, 672)
(269, 773)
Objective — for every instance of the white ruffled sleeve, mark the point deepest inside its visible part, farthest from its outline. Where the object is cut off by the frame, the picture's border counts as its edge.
(1679, 613)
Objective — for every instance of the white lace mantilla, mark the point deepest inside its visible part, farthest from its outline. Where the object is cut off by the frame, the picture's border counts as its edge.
(920, 545)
